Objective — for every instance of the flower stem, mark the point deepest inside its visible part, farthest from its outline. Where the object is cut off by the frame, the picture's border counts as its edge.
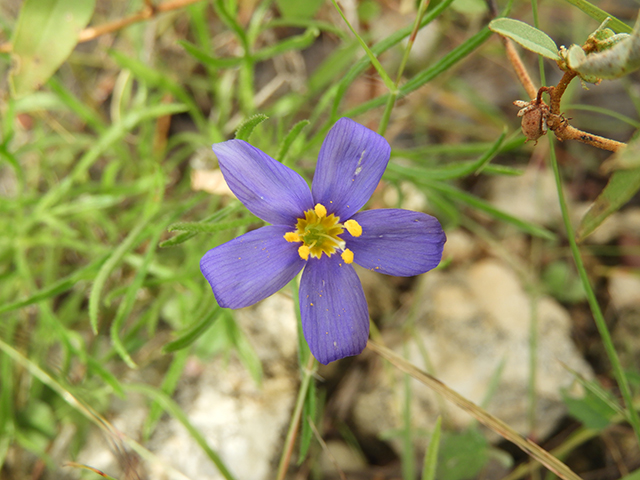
(618, 372)
(393, 94)
(290, 439)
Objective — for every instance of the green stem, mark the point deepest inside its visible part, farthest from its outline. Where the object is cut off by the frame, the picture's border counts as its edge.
(393, 93)
(408, 457)
(618, 372)
(533, 363)
(295, 419)
(386, 115)
(374, 61)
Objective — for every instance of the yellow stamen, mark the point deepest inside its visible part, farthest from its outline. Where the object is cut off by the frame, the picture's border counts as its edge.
(320, 210)
(292, 237)
(353, 228)
(347, 256)
(304, 251)
(320, 233)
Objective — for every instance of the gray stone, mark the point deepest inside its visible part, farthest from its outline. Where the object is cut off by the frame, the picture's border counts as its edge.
(471, 321)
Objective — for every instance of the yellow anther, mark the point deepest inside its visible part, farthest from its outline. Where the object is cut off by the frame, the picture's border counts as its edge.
(347, 256)
(292, 237)
(353, 228)
(304, 251)
(320, 210)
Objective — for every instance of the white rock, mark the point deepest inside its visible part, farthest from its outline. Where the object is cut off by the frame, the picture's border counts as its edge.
(532, 196)
(460, 247)
(471, 321)
(624, 289)
(243, 422)
(341, 456)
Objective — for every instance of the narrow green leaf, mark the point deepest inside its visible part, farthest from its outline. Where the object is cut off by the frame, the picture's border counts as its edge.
(622, 185)
(169, 384)
(86, 113)
(600, 15)
(297, 42)
(495, 169)
(455, 170)
(444, 64)
(392, 40)
(331, 70)
(529, 37)
(162, 80)
(309, 414)
(7, 403)
(200, 227)
(58, 287)
(246, 128)
(591, 409)
(126, 306)
(96, 291)
(306, 23)
(372, 57)
(194, 332)
(604, 111)
(96, 367)
(431, 455)
(209, 60)
(290, 138)
(105, 141)
(480, 204)
(425, 154)
(37, 101)
(46, 34)
(298, 9)
(12, 160)
(231, 22)
(246, 352)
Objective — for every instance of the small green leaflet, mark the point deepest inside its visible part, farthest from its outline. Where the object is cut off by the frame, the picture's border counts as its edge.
(622, 186)
(529, 37)
(621, 59)
(246, 128)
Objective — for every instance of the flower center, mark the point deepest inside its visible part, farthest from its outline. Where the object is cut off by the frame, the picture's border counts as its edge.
(319, 233)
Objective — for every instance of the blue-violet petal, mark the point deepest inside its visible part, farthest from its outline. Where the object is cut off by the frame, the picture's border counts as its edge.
(271, 191)
(350, 165)
(335, 317)
(251, 267)
(397, 242)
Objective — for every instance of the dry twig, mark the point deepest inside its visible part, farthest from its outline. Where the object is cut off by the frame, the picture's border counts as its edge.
(149, 11)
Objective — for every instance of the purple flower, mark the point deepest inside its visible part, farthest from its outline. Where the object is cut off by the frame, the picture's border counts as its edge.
(320, 231)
